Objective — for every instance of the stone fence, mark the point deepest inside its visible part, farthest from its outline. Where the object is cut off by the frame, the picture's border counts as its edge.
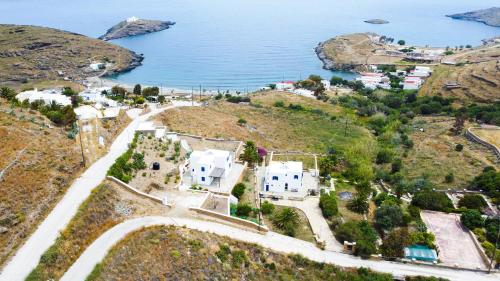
(231, 219)
(471, 136)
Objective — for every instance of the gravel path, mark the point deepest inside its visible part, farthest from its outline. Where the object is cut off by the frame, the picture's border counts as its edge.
(96, 252)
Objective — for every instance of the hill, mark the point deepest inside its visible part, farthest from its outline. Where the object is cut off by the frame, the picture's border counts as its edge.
(37, 163)
(181, 254)
(30, 53)
(489, 16)
(475, 72)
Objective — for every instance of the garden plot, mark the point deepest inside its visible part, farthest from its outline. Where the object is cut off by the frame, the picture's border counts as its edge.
(169, 155)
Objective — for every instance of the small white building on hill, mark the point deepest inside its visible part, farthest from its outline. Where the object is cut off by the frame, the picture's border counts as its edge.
(149, 128)
(95, 95)
(283, 177)
(47, 96)
(209, 165)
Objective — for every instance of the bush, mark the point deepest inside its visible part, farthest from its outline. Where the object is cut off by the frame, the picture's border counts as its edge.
(393, 245)
(287, 220)
(449, 178)
(328, 205)
(459, 147)
(238, 190)
(388, 217)
(243, 210)
(488, 181)
(384, 156)
(432, 200)
(472, 219)
(472, 201)
(242, 121)
(267, 208)
(279, 104)
(360, 232)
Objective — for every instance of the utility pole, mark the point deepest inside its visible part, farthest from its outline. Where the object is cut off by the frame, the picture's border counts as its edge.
(200, 92)
(192, 96)
(81, 143)
(496, 245)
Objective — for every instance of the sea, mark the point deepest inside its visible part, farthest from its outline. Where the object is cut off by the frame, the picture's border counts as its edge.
(243, 45)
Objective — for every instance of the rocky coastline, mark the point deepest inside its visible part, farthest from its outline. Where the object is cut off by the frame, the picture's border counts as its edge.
(134, 27)
(489, 16)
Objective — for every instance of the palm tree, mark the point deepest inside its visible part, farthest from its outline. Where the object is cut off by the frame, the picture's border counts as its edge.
(358, 204)
(287, 220)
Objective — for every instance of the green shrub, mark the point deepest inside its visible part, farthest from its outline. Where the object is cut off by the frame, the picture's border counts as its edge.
(243, 210)
(472, 219)
(472, 201)
(432, 200)
(459, 147)
(238, 190)
(388, 217)
(449, 178)
(328, 204)
(279, 104)
(287, 220)
(267, 207)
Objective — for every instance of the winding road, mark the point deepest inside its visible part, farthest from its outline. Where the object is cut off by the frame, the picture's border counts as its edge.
(28, 256)
(96, 252)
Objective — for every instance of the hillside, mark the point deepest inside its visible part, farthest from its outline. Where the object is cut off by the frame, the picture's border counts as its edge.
(489, 16)
(315, 128)
(37, 164)
(476, 73)
(29, 53)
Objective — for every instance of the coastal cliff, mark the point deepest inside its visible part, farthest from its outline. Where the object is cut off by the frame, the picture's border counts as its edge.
(31, 53)
(133, 27)
(489, 16)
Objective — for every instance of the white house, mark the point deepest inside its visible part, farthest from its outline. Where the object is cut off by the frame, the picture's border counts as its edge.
(97, 66)
(421, 71)
(86, 112)
(209, 165)
(304, 93)
(150, 128)
(283, 177)
(326, 84)
(412, 83)
(372, 80)
(285, 85)
(47, 96)
(95, 95)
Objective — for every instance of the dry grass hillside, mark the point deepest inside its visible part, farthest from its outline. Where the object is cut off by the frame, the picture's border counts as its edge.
(434, 154)
(478, 78)
(170, 253)
(29, 53)
(275, 128)
(108, 205)
(37, 164)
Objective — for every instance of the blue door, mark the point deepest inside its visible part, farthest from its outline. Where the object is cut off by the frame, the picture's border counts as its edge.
(267, 187)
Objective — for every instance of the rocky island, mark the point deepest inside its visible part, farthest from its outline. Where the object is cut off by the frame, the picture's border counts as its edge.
(134, 26)
(377, 21)
(31, 54)
(489, 16)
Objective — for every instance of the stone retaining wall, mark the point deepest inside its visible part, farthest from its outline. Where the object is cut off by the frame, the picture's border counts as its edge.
(138, 192)
(471, 136)
(235, 220)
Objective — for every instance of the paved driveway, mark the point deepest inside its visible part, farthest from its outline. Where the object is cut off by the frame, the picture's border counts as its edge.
(456, 247)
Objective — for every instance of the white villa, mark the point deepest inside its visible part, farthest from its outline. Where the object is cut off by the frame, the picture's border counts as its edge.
(47, 96)
(95, 95)
(283, 177)
(209, 165)
(152, 129)
(372, 80)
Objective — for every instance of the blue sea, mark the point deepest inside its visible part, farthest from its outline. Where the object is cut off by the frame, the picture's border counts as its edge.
(246, 44)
